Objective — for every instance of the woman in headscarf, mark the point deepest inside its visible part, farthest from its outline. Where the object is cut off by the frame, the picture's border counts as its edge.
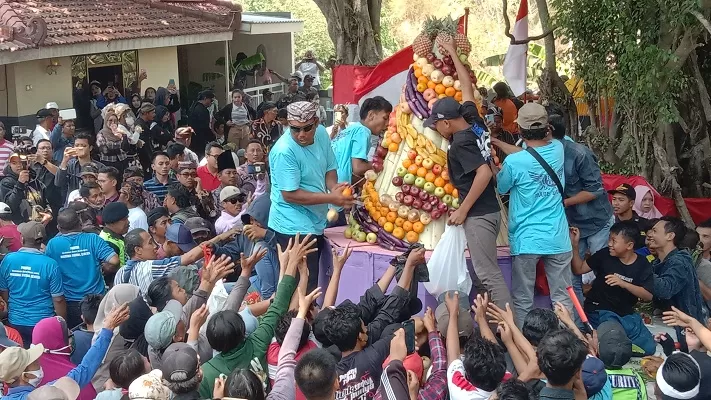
(136, 102)
(161, 129)
(53, 334)
(266, 129)
(644, 203)
(127, 125)
(118, 295)
(170, 100)
(112, 143)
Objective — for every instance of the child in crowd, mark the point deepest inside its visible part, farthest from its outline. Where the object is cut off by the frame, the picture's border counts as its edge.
(85, 332)
(615, 351)
(623, 278)
(560, 358)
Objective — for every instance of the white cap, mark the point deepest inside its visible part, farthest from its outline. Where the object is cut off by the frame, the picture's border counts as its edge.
(5, 209)
(229, 192)
(52, 105)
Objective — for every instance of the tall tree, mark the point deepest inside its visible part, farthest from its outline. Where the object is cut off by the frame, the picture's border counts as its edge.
(354, 27)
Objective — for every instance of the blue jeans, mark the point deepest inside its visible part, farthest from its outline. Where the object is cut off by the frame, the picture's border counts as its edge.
(594, 243)
(634, 327)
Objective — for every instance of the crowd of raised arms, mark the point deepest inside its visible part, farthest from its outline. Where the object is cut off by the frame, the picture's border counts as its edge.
(153, 255)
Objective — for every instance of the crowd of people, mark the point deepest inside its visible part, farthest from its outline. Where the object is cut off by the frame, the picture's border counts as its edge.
(148, 259)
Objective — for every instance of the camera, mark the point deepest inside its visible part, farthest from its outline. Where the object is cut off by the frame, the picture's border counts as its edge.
(23, 145)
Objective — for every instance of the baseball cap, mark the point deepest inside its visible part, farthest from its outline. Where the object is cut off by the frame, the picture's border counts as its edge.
(445, 108)
(197, 224)
(5, 209)
(52, 105)
(32, 230)
(180, 235)
(309, 77)
(614, 347)
(149, 387)
(465, 323)
(266, 92)
(180, 363)
(228, 192)
(44, 113)
(625, 189)
(64, 388)
(594, 375)
(89, 169)
(4, 340)
(160, 328)
(532, 116)
(14, 360)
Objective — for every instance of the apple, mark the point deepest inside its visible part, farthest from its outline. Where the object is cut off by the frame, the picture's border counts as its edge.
(436, 214)
(348, 233)
(355, 228)
(419, 159)
(424, 196)
(431, 57)
(427, 163)
(420, 182)
(448, 60)
(412, 154)
(397, 181)
(414, 191)
(399, 197)
(435, 202)
(429, 187)
(455, 203)
(447, 199)
(407, 200)
(381, 151)
(442, 207)
(439, 192)
(386, 199)
(425, 218)
(409, 179)
(438, 64)
(427, 207)
(413, 216)
(401, 171)
(436, 169)
(378, 166)
(447, 70)
(360, 236)
(371, 237)
(417, 203)
(405, 189)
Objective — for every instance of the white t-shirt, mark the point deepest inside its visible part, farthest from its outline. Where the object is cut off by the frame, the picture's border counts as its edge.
(310, 68)
(73, 196)
(137, 219)
(460, 388)
(38, 134)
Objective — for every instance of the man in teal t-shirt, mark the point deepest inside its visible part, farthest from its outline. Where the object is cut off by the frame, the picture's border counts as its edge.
(352, 145)
(30, 282)
(304, 182)
(538, 228)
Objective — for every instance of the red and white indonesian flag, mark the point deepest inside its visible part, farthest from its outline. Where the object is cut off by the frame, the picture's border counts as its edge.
(515, 63)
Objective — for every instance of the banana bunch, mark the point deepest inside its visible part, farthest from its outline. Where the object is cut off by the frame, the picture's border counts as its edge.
(418, 142)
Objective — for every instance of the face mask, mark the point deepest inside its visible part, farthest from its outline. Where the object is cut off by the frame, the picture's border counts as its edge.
(39, 374)
(129, 121)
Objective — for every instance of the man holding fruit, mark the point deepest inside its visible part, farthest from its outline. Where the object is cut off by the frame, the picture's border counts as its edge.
(306, 184)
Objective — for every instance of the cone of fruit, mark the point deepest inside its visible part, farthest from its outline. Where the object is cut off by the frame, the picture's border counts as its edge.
(408, 196)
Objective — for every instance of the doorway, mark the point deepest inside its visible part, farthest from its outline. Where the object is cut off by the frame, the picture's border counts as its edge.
(108, 75)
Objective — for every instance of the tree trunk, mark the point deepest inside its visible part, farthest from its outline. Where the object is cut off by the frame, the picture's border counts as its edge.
(548, 41)
(354, 28)
(661, 155)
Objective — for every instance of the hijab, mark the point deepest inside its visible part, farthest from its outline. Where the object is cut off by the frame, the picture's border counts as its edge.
(53, 334)
(134, 109)
(641, 191)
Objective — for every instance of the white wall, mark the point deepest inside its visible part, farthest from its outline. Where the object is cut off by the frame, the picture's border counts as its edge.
(280, 52)
(201, 58)
(44, 87)
(161, 65)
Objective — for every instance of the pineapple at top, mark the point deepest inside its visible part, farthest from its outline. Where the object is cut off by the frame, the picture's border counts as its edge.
(436, 30)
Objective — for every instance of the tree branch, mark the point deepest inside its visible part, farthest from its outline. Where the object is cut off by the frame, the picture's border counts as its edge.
(507, 29)
(702, 19)
(661, 155)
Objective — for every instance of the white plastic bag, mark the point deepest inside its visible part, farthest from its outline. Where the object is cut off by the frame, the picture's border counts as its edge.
(215, 303)
(448, 266)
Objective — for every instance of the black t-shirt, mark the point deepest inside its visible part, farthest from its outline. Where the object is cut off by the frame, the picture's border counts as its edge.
(463, 159)
(642, 225)
(359, 372)
(614, 298)
(704, 361)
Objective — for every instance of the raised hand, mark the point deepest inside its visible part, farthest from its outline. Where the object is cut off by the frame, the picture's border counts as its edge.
(217, 268)
(676, 317)
(574, 235)
(416, 257)
(285, 253)
(254, 232)
(505, 332)
(305, 301)
(563, 313)
(118, 315)
(481, 304)
(339, 260)
(498, 315)
(452, 302)
(249, 262)
(429, 321)
(398, 348)
(197, 320)
(301, 248)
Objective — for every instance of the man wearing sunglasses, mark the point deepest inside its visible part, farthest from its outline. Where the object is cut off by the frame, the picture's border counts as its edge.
(306, 182)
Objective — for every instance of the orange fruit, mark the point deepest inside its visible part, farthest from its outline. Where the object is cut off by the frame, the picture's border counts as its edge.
(373, 196)
(395, 138)
(375, 214)
(450, 91)
(399, 221)
(448, 188)
(384, 211)
(398, 233)
(412, 169)
(441, 96)
(421, 172)
(406, 163)
(430, 177)
(439, 182)
(412, 237)
(457, 96)
(439, 88)
(455, 193)
(388, 227)
(431, 85)
(418, 73)
(382, 221)
(418, 227)
(422, 79)
(407, 226)
(393, 147)
(391, 216)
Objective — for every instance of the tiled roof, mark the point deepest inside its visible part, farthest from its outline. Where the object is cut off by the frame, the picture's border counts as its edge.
(80, 21)
(254, 18)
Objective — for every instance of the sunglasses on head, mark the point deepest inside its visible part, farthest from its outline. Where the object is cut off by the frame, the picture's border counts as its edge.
(298, 129)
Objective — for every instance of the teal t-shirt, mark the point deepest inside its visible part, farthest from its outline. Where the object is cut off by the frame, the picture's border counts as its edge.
(537, 221)
(352, 142)
(299, 167)
(31, 279)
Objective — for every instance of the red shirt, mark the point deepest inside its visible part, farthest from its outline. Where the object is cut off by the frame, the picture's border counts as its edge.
(12, 237)
(273, 359)
(208, 181)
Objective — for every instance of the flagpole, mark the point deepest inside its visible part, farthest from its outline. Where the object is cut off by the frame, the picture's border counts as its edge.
(466, 20)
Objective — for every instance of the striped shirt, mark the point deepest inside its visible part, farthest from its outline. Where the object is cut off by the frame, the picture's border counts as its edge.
(6, 149)
(160, 190)
(142, 273)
